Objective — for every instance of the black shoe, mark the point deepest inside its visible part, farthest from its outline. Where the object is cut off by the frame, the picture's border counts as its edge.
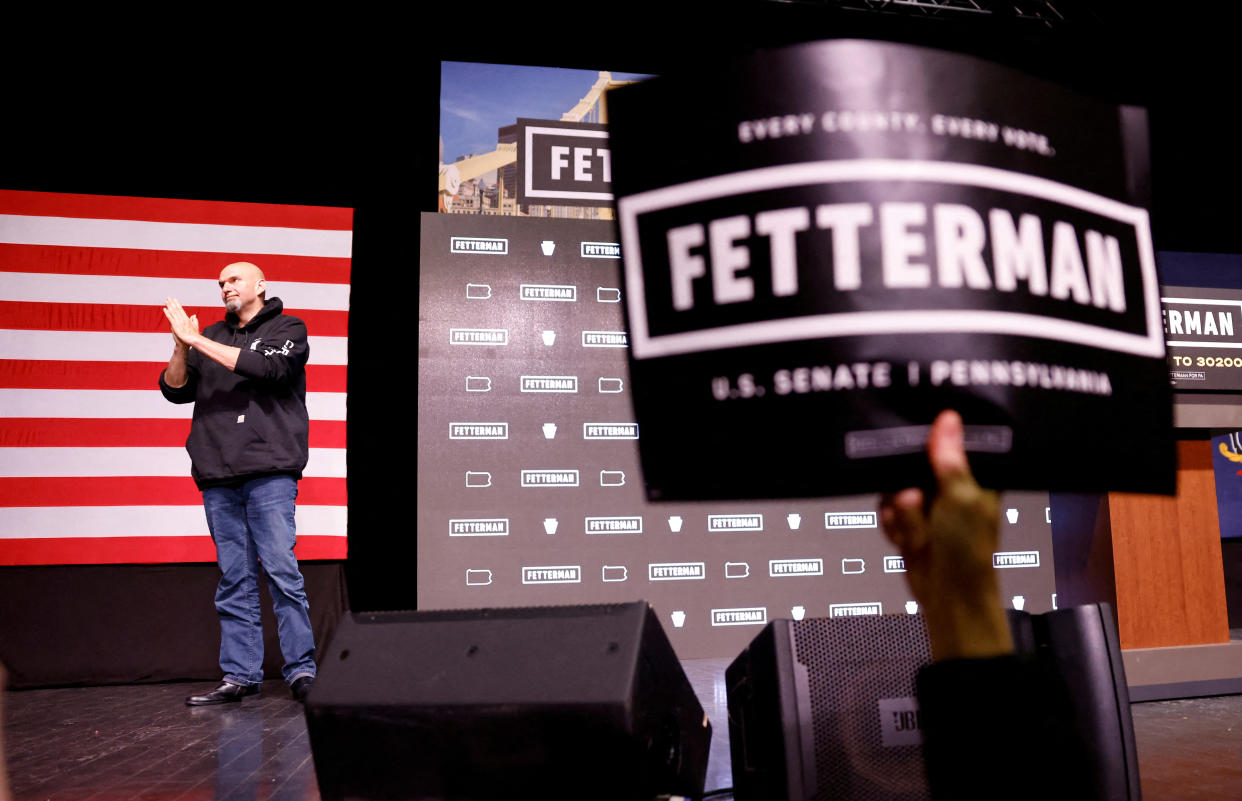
(223, 694)
(301, 687)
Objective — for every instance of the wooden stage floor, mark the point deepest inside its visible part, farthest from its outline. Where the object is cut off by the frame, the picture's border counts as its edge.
(142, 742)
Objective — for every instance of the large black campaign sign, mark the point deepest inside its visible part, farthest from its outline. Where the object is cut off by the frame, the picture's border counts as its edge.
(841, 239)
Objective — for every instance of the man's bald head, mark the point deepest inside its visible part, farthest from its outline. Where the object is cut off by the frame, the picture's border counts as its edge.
(245, 266)
(243, 288)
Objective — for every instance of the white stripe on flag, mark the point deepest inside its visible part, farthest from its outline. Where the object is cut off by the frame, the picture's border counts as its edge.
(21, 229)
(26, 522)
(122, 346)
(146, 291)
(82, 462)
(131, 403)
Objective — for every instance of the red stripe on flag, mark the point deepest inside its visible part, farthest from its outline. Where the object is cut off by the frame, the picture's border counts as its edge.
(142, 550)
(29, 315)
(111, 432)
(214, 212)
(69, 260)
(83, 432)
(142, 491)
(55, 374)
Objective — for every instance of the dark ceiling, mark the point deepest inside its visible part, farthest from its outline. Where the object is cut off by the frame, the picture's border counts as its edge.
(343, 109)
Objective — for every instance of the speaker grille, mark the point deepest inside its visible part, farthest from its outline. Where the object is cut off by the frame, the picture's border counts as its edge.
(852, 665)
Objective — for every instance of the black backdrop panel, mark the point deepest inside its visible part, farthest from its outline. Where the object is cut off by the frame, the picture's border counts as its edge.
(128, 624)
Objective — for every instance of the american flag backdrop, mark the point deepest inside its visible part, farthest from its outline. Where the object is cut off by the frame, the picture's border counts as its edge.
(93, 467)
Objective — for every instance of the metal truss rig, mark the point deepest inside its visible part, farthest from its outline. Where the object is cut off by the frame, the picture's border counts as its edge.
(1028, 11)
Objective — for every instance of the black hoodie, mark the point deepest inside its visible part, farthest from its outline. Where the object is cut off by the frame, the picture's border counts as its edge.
(251, 421)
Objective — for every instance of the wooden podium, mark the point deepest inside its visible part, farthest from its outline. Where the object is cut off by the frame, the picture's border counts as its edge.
(1158, 561)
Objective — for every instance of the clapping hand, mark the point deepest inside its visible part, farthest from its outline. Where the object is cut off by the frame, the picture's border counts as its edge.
(184, 327)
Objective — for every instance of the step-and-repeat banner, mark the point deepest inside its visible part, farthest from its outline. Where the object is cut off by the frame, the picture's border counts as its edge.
(530, 490)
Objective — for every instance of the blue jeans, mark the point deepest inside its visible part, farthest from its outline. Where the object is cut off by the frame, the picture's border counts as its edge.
(252, 527)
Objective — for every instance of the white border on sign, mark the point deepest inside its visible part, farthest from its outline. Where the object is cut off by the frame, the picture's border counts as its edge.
(764, 332)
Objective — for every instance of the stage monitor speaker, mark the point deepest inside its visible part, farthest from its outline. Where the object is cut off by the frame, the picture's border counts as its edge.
(826, 708)
(545, 702)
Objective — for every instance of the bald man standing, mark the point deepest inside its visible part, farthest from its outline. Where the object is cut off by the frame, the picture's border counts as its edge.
(246, 377)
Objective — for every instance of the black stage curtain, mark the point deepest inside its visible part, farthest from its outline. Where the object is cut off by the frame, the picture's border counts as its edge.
(133, 624)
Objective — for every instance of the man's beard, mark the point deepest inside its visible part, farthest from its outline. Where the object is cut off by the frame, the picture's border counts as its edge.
(233, 304)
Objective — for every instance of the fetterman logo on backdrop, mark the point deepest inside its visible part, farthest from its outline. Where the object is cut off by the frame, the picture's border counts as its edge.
(549, 478)
(850, 520)
(676, 571)
(478, 430)
(549, 383)
(600, 250)
(550, 292)
(563, 163)
(748, 616)
(610, 431)
(476, 244)
(795, 567)
(614, 525)
(605, 339)
(854, 610)
(479, 527)
(553, 574)
(478, 336)
(1004, 559)
(735, 522)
